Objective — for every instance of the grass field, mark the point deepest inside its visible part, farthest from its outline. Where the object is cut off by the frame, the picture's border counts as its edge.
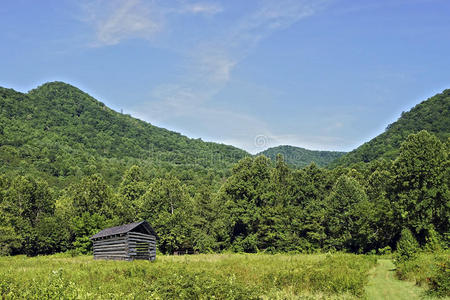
(208, 276)
(383, 284)
(429, 270)
(213, 276)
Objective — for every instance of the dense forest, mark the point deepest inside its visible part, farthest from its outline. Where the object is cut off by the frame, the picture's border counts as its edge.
(301, 157)
(59, 133)
(71, 166)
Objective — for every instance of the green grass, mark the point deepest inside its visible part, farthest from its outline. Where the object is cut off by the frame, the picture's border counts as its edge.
(383, 284)
(428, 270)
(213, 276)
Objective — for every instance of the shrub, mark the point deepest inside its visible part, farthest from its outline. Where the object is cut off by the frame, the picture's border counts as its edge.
(430, 270)
(440, 282)
(433, 241)
(4, 287)
(385, 251)
(407, 247)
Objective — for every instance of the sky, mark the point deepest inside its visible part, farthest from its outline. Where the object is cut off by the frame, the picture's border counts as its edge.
(318, 74)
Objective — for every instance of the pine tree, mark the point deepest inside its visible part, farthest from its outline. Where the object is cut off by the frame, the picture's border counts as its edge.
(407, 247)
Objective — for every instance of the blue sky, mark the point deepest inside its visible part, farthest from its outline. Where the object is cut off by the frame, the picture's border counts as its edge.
(319, 74)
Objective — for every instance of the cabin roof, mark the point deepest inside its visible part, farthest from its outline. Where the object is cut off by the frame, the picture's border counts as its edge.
(124, 229)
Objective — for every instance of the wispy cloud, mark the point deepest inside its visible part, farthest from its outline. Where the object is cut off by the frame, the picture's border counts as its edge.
(211, 63)
(208, 66)
(202, 8)
(114, 21)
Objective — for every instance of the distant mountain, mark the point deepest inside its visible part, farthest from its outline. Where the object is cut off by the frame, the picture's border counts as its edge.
(60, 131)
(432, 115)
(300, 157)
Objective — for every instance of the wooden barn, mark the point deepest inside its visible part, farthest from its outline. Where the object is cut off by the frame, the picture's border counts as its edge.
(126, 242)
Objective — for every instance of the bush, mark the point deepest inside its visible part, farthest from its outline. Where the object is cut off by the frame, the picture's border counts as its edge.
(433, 241)
(385, 251)
(407, 247)
(430, 270)
(440, 282)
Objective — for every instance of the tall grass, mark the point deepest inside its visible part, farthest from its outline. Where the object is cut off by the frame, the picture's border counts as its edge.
(212, 276)
(430, 270)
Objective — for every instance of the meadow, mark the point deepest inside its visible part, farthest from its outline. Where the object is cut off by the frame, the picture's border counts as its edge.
(428, 270)
(207, 276)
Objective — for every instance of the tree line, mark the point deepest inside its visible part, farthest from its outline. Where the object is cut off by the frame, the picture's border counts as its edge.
(260, 206)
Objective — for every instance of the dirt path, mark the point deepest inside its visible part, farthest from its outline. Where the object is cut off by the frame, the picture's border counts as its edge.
(384, 285)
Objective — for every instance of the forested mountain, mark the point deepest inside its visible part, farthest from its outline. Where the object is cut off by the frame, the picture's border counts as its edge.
(301, 157)
(432, 115)
(58, 131)
(70, 166)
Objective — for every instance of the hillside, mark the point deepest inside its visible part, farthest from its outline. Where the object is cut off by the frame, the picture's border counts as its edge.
(69, 167)
(300, 157)
(60, 131)
(432, 115)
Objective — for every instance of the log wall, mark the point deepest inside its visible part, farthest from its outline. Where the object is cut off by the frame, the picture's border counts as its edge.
(127, 246)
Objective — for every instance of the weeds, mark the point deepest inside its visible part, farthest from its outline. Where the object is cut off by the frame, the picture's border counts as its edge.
(430, 270)
(212, 276)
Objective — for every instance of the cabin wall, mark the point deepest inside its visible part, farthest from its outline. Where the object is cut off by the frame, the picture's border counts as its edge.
(141, 246)
(113, 247)
(129, 246)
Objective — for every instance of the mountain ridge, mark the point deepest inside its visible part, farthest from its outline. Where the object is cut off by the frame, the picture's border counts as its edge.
(78, 120)
(300, 157)
(432, 114)
(59, 130)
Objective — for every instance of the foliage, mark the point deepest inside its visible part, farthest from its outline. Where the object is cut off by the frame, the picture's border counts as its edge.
(440, 282)
(429, 269)
(420, 187)
(349, 216)
(60, 133)
(300, 157)
(167, 204)
(407, 247)
(9, 240)
(24, 211)
(131, 189)
(434, 242)
(71, 167)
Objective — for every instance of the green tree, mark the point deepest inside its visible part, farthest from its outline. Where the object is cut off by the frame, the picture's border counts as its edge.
(92, 209)
(210, 232)
(92, 195)
(26, 202)
(244, 193)
(348, 216)
(85, 225)
(385, 227)
(167, 207)
(131, 189)
(420, 188)
(312, 186)
(407, 247)
(29, 199)
(281, 183)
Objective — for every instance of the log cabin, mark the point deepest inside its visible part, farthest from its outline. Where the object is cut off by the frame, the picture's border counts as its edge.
(127, 242)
